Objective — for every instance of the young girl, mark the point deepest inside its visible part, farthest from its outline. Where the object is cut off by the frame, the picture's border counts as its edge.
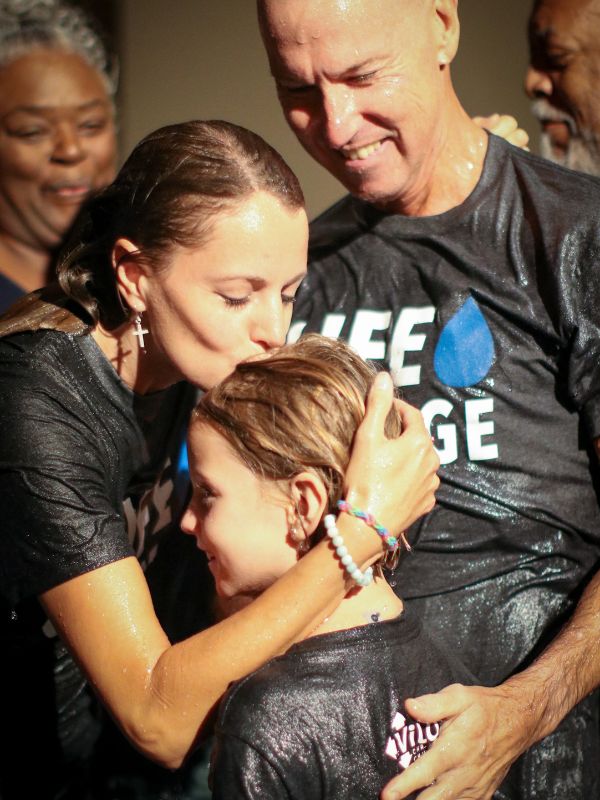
(269, 448)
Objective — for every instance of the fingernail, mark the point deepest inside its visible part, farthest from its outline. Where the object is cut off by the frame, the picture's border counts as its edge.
(383, 380)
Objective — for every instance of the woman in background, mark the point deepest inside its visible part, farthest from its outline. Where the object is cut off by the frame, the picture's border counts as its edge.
(57, 133)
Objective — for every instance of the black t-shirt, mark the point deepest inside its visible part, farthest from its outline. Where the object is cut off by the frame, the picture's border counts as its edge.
(488, 318)
(326, 721)
(88, 476)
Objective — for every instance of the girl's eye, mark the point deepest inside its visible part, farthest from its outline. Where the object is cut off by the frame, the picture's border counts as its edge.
(202, 492)
(288, 299)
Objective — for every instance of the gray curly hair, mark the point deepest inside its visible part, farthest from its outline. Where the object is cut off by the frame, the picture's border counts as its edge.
(26, 24)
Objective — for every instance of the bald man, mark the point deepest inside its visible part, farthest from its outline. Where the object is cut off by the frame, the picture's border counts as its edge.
(468, 268)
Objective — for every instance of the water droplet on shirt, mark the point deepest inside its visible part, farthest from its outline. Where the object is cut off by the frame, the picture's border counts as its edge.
(465, 350)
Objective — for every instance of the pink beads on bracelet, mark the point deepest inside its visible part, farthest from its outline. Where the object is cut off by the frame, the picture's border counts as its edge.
(391, 542)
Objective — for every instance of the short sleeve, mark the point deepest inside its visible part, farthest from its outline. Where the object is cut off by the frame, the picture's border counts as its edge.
(59, 519)
(239, 772)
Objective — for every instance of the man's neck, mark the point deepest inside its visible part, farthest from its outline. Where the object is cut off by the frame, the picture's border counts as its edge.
(451, 171)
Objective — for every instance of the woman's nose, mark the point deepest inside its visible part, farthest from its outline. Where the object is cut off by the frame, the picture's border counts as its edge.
(271, 326)
(68, 147)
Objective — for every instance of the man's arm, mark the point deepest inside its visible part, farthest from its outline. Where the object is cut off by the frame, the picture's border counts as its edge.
(487, 729)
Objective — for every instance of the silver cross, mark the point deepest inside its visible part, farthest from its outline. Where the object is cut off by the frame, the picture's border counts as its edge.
(140, 331)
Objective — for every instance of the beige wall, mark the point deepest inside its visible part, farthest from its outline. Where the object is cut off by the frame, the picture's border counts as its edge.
(184, 59)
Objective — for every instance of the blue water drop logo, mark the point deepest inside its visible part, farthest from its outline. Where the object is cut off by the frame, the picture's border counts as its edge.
(465, 350)
(183, 466)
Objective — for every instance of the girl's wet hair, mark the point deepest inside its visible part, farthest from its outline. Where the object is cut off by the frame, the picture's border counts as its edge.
(168, 194)
(296, 409)
(26, 25)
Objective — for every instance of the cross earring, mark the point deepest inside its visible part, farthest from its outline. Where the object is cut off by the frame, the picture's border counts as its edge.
(140, 331)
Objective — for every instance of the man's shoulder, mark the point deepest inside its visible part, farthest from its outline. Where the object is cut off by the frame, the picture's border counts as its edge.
(549, 178)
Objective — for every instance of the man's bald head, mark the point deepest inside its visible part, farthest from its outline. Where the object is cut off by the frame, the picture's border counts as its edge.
(363, 84)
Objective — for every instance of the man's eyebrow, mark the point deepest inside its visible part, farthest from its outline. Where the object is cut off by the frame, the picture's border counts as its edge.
(368, 65)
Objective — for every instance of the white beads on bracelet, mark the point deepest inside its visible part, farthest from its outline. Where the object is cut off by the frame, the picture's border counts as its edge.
(361, 578)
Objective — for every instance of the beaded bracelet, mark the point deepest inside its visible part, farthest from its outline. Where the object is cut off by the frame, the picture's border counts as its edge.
(391, 542)
(361, 578)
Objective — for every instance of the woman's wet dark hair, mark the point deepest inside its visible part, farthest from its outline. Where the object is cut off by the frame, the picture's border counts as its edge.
(169, 193)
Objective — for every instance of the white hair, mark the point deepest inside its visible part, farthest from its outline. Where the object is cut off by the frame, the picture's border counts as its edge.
(29, 24)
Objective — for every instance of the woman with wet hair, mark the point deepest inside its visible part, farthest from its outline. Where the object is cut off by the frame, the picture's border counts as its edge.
(186, 265)
(57, 133)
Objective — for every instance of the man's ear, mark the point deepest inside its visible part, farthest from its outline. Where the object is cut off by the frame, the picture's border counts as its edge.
(310, 499)
(448, 30)
(129, 274)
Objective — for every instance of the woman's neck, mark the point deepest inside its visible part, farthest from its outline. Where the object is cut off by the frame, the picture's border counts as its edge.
(143, 372)
(374, 603)
(25, 266)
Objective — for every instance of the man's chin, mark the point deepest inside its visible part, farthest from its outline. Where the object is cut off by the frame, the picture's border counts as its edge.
(579, 155)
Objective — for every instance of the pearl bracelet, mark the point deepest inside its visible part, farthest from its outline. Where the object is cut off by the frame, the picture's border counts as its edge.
(360, 578)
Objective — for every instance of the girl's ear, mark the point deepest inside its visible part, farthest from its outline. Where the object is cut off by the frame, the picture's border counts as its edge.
(129, 274)
(310, 499)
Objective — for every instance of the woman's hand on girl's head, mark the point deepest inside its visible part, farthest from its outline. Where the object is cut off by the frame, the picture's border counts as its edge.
(395, 479)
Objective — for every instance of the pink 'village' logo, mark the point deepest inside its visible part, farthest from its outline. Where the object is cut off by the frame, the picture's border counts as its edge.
(409, 739)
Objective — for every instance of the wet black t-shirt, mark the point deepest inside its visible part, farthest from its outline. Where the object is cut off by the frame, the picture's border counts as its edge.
(488, 317)
(88, 476)
(326, 721)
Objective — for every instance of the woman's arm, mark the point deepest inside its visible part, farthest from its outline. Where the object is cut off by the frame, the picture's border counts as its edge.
(159, 693)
